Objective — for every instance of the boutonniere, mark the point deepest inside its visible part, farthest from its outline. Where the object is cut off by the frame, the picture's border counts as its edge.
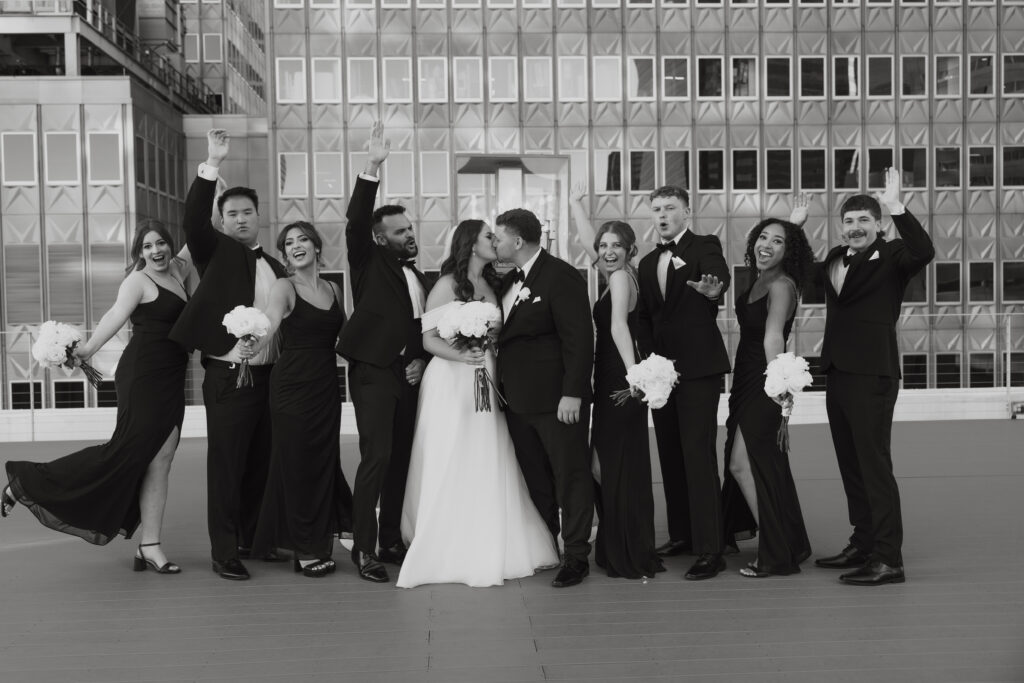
(536, 300)
(873, 257)
(523, 295)
(677, 262)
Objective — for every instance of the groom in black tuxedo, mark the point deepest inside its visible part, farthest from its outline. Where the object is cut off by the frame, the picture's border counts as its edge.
(864, 281)
(545, 358)
(383, 344)
(234, 272)
(680, 285)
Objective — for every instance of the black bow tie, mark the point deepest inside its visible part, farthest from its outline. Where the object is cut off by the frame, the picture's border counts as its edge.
(847, 259)
(259, 252)
(517, 276)
(407, 262)
(665, 246)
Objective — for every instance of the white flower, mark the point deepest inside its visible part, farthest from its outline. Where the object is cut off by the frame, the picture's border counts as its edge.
(243, 321)
(472, 320)
(655, 378)
(53, 343)
(787, 374)
(524, 294)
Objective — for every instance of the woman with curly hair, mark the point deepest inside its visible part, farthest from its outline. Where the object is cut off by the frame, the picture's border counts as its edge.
(758, 493)
(465, 489)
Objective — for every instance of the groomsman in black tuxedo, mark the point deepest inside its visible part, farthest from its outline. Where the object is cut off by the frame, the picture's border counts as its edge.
(384, 346)
(545, 359)
(234, 272)
(864, 285)
(680, 285)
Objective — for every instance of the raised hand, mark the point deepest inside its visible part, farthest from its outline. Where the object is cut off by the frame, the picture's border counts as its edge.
(578, 191)
(708, 285)
(890, 196)
(801, 204)
(377, 149)
(217, 146)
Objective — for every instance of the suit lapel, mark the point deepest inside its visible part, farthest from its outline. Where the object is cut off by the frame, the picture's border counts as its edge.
(858, 265)
(530, 279)
(680, 248)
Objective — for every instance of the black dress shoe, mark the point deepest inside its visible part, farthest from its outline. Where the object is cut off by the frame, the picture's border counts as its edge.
(369, 568)
(393, 555)
(707, 566)
(232, 569)
(874, 573)
(271, 556)
(672, 548)
(849, 558)
(571, 573)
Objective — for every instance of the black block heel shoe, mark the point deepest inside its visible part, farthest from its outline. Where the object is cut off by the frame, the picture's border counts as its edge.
(142, 563)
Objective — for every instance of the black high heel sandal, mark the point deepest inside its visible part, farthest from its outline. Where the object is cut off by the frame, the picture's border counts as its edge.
(317, 570)
(142, 562)
(7, 502)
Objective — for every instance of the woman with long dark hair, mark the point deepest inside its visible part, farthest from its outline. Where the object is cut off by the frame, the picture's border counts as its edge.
(102, 491)
(758, 492)
(465, 489)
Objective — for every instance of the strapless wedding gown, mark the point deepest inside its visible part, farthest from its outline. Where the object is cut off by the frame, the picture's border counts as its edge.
(467, 516)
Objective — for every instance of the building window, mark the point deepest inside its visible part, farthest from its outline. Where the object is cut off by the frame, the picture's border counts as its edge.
(328, 171)
(879, 159)
(572, 79)
(607, 166)
(326, 79)
(325, 4)
(291, 79)
(981, 282)
(677, 168)
(1013, 75)
(675, 78)
(293, 174)
(362, 79)
(947, 370)
(1013, 166)
(812, 169)
(947, 167)
(284, 4)
(192, 47)
(846, 168)
(777, 72)
(640, 79)
(812, 78)
(468, 79)
(982, 76)
(709, 78)
(607, 78)
(915, 166)
(980, 161)
(213, 48)
(62, 160)
(26, 395)
(103, 160)
(106, 395)
(879, 77)
(431, 4)
(982, 370)
(1016, 362)
(947, 282)
(398, 180)
(914, 76)
(744, 169)
(504, 79)
(778, 169)
(1013, 282)
(434, 174)
(576, 4)
(641, 171)
(915, 371)
(846, 78)
(68, 394)
(711, 170)
(947, 76)
(470, 4)
(537, 80)
(433, 79)
(397, 79)
(18, 155)
(744, 78)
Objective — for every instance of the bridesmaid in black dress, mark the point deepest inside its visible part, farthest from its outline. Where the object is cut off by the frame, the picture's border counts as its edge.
(307, 500)
(758, 492)
(110, 489)
(625, 501)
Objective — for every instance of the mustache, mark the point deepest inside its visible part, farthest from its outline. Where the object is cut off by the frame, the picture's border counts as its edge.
(857, 232)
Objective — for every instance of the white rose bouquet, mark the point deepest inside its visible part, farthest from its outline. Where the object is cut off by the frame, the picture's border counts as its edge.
(787, 374)
(248, 324)
(55, 347)
(472, 325)
(651, 380)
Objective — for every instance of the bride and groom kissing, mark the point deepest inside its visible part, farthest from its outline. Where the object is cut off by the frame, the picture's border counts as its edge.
(446, 476)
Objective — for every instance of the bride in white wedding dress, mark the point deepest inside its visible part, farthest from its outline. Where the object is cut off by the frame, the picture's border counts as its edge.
(467, 516)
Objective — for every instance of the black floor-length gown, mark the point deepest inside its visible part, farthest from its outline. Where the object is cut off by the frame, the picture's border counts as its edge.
(307, 500)
(783, 542)
(94, 493)
(625, 500)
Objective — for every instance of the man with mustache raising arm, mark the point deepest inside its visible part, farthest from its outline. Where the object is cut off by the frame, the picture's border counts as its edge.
(864, 285)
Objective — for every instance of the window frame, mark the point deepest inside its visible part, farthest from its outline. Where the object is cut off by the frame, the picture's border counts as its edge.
(1002, 280)
(892, 77)
(630, 78)
(35, 159)
(305, 166)
(724, 80)
(446, 192)
(767, 175)
(825, 171)
(549, 96)
(337, 74)
(456, 77)
(622, 172)
(969, 73)
(725, 170)
(959, 76)
(364, 99)
(960, 168)
(503, 59)
(960, 288)
(581, 59)
(732, 78)
(1002, 74)
(402, 159)
(904, 60)
(277, 80)
(432, 59)
(860, 77)
(825, 80)
(316, 174)
(607, 59)
(995, 285)
(120, 158)
(220, 58)
(971, 185)
(388, 97)
(46, 158)
(789, 81)
(757, 169)
(654, 156)
(664, 75)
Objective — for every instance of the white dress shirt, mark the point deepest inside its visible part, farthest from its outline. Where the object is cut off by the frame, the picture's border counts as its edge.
(416, 294)
(664, 259)
(509, 300)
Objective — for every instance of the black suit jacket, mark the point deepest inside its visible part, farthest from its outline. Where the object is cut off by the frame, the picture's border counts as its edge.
(860, 326)
(682, 325)
(382, 322)
(228, 276)
(546, 346)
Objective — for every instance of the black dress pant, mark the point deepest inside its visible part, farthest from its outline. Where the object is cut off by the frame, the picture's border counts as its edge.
(385, 405)
(555, 460)
(860, 409)
(686, 429)
(237, 454)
